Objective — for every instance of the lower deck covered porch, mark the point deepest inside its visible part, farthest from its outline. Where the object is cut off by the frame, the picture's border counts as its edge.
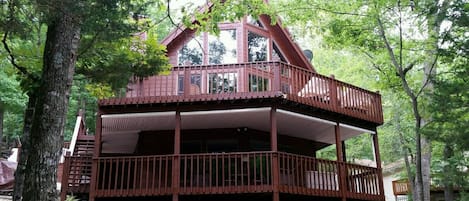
(233, 173)
(183, 155)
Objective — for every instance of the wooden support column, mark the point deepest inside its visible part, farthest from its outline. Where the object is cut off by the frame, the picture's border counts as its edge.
(344, 156)
(65, 175)
(96, 153)
(187, 81)
(341, 163)
(177, 134)
(274, 148)
(176, 156)
(378, 162)
(276, 85)
(273, 129)
(334, 93)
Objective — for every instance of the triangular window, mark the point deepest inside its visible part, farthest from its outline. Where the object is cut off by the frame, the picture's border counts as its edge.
(223, 49)
(253, 21)
(257, 47)
(191, 53)
(277, 54)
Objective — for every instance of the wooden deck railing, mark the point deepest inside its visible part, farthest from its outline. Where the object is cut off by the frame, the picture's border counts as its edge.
(401, 187)
(308, 175)
(76, 176)
(244, 80)
(362, 182)
(133, 176)
(227, 173)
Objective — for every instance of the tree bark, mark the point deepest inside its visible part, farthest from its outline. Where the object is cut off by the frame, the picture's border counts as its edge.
(410, 175)
(2, 111)
(418, 194)
(24, 149)
(426, 163)
(448, 182)
(46, 140)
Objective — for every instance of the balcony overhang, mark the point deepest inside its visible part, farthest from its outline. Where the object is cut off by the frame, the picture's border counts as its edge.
(120, 131)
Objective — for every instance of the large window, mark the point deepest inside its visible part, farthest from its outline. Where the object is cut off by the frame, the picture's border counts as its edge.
(191, 52)
(223, 49)
(222, 82)
(254, 21)
(277, 54)
(257, 47)
(258, 83)
(194, 86)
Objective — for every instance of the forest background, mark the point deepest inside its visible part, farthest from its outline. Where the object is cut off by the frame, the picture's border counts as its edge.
(415, 53)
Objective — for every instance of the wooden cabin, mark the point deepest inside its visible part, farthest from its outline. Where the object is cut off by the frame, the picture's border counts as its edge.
(240, 116)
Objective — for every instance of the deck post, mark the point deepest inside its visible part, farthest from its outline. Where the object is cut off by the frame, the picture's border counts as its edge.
(378, 163)
(333, 93)
(344, 157)
(65, 175)
(177, 152)
(341, 163)
(276, 70)
(274, 148)
(97, 151)
(187, 81)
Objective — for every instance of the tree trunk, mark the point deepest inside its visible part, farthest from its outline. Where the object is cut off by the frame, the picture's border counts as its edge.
(410, 175)
(418, 193)
(60, 53)
(426, 163)
(448, 182)
(24, 149)
(2, 111)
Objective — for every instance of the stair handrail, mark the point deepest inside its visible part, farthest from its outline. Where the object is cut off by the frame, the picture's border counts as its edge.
(76, 130)
(73, 142)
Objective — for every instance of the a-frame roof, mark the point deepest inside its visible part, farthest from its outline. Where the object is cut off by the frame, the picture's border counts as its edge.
(282, 37)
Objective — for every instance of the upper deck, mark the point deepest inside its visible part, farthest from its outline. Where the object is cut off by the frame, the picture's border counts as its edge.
(241, 81)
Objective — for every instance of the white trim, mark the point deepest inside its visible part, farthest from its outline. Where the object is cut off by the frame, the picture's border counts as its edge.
(73, 142)
(75, 136)
(135, 115)
(231, 111)
(306, 117)
(356, 128)
(121, 132)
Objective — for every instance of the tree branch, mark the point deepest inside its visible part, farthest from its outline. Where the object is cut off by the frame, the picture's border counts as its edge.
(372, 59)
(396, 65)
(93, 40)
(319, 8)
(428, 79)
(12, 59)
(400, 34)
(179, 27)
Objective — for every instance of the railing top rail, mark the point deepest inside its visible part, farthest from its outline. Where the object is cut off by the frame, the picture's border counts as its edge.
(80, 156)
(314, 74)
(234, 64)
(240, 81)
(232, 154)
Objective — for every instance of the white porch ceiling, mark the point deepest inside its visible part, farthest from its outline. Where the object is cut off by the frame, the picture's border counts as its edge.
(120, 131)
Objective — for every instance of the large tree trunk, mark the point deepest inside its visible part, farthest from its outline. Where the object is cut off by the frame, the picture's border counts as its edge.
(419, 187)
(448, 182)
(24, 149)
(46, 139)
(2, 111)
(407, 156)
(426, 163)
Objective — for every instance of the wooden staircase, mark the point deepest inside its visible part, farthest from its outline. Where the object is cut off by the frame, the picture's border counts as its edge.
(84, 146)
(77, 163)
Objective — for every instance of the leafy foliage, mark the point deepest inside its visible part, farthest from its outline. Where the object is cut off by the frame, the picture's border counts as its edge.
(214, 12)
(402, 41)
(110, 65)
